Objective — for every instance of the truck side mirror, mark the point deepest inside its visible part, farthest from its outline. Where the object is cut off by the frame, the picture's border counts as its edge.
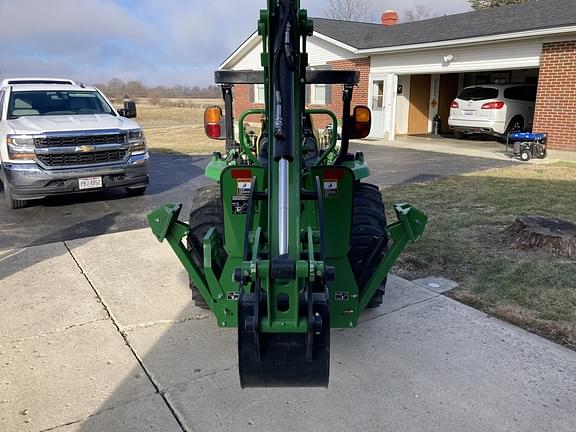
(362, 121)
(213, 123)
(129, 110)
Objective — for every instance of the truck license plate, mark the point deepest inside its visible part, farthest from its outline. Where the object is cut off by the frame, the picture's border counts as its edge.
(90, 183)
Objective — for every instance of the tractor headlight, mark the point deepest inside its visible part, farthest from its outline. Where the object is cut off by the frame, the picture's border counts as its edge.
(137, 141)
(20, 147)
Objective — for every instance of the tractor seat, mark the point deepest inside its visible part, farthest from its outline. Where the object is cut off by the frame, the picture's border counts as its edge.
(310, 148)
(263, 149)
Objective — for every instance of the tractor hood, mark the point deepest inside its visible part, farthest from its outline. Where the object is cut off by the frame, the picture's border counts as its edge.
(32, 125)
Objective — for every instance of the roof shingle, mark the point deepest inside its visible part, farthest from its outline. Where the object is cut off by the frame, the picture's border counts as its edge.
(540, 14)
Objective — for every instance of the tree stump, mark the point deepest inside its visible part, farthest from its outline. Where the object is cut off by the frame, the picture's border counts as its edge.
(557, 236)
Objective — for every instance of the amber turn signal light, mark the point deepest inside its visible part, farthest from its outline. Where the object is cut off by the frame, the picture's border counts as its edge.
(213, 122)
(362, 122)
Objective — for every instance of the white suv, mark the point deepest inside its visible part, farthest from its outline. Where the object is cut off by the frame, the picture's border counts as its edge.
(59, 137)
(493, 109)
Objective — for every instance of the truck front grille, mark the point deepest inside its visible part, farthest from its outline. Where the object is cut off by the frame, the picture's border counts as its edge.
(71, 159)
(76, 141)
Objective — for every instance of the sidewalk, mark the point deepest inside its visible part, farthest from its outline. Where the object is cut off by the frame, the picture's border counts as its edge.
(99, 335)
(474, 147)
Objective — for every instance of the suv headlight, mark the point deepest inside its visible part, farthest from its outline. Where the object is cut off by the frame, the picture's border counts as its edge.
(20, 147)
(137, 141)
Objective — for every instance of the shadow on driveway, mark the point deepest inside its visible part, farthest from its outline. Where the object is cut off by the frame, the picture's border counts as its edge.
(172, 179)
(11, 262)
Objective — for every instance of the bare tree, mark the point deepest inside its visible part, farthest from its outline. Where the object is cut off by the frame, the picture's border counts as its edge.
(116, 89)
(418, 13)
(485, 4)
(135, 89)
(349, 10)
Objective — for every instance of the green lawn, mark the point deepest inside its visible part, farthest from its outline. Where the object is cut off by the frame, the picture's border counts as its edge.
(464, 242)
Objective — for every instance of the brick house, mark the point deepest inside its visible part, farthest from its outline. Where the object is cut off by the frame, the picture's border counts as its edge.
(411, 72)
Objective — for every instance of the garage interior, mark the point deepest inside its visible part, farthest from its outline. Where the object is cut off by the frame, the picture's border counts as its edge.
(421, 97)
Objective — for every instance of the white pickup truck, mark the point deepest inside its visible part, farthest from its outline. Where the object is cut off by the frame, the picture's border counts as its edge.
(60, 137)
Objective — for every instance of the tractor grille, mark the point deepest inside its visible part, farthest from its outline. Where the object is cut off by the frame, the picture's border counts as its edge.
(71, 159)
(75, 141)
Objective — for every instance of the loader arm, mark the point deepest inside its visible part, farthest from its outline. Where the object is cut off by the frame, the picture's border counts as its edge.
(286, 263)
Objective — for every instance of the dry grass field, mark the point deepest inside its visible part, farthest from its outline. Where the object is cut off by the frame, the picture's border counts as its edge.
(176, 125)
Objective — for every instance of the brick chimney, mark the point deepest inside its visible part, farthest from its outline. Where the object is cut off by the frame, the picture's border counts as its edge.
(389, 18)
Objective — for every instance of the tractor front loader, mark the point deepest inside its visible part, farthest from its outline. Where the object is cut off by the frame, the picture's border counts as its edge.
(289, 242)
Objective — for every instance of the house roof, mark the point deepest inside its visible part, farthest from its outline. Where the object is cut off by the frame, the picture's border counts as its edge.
(537, 15)
(534, 19)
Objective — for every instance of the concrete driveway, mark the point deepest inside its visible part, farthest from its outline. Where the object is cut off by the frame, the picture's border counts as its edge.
(174, 177)
(98, 334)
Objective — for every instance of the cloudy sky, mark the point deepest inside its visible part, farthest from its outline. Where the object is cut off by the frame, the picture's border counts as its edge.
(154, 41)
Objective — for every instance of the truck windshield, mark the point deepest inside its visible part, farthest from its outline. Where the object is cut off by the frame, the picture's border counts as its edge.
(48, 103)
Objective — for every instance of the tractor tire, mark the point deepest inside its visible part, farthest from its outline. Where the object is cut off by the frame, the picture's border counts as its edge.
(368, 227)
(205, 213)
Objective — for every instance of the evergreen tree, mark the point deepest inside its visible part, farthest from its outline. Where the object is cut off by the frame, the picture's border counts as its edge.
(485, 4)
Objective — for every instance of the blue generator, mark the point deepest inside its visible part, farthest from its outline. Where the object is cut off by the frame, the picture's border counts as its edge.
(527, 145)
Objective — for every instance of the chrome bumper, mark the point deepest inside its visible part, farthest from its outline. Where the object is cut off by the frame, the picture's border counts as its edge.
(30, 181)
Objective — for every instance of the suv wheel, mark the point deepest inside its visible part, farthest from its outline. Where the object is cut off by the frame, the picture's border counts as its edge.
(516, 125)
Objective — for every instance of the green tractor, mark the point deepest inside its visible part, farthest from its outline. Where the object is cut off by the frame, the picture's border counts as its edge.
(288, 242)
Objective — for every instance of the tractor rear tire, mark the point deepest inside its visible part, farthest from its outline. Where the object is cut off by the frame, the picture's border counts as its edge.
(205, 213)
(368, 227)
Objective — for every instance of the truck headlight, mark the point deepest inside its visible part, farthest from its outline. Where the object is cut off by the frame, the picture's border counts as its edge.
(137, 141)
(20, 147)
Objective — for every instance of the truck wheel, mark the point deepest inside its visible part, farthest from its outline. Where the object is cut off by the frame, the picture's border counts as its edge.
(12, 203)
(368, 226)
(205, 213)
(136, 191)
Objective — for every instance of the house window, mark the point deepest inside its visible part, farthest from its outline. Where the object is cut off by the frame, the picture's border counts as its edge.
(318, 92)
(377, 95)
(259, 94)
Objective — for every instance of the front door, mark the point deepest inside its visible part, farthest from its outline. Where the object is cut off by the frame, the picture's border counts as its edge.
(383, 105)
(419, 113)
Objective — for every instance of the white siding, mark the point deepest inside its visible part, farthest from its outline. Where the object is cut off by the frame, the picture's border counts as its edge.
(320, 52)
(252, 60)
(503, 55)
